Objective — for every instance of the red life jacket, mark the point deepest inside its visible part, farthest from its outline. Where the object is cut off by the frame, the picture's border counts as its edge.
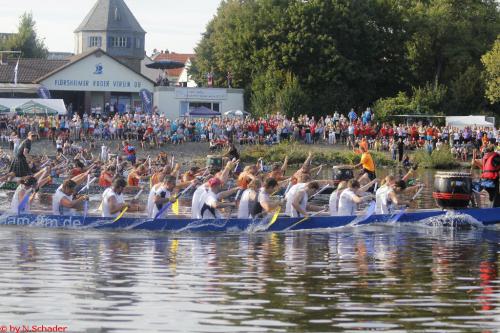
(490, 171)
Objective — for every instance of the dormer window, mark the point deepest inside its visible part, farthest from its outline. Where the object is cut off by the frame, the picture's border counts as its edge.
(118, 41)
(95, 41)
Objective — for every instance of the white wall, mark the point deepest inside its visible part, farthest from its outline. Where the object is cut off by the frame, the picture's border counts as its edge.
(169, 99)
(83, 76)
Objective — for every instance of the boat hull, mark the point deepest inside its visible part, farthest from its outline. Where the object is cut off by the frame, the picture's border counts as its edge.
(485, 216)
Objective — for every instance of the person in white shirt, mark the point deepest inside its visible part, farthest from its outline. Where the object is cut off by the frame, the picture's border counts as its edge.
(210, 201)
(195, 201)
(62, 201)
(160, 194)
(335, 196)
(297, 203)
(248, 199)
(27, 187)
(386, 197)
(113, 202)
(264, 205)
(349, 199)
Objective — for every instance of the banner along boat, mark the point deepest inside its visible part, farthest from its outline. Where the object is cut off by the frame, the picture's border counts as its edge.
(484, 216)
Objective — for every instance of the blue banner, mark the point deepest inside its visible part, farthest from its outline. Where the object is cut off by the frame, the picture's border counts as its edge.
(43, 92)
(147, 100)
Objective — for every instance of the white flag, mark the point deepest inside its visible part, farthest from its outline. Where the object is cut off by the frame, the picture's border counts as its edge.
(15, 72)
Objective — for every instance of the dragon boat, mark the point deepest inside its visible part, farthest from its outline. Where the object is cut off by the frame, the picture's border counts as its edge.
(456, 218)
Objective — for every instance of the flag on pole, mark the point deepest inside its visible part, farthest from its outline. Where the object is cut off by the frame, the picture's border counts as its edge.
(16, 69)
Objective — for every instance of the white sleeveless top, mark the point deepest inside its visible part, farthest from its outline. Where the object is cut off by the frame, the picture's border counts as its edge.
(195, 202)
(14, 205)
(334, 202)
(57, 208)
(290, 197)
(347, 206)
(243, 209)
(382, 203)
(152, 209)
(109, 193)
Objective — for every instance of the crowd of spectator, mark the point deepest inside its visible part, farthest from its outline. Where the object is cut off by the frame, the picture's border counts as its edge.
(156, 130)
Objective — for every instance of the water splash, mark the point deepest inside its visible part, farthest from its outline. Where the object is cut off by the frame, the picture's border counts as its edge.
(197, 224)
(453, 219)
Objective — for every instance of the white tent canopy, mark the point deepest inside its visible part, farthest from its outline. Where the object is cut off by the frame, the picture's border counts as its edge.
(468, 121)
(33, 106)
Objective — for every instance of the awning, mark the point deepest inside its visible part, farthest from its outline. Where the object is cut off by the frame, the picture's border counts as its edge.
(468, 121)
(33, 106)
(203, 112)
(20, 88)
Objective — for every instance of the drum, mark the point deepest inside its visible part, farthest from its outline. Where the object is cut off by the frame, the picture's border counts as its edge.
(452, 189)
(214, 162)
(342, 172)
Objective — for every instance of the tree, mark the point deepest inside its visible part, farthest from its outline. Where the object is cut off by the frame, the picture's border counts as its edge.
(26, 39)
(491, 62)
(350, 53)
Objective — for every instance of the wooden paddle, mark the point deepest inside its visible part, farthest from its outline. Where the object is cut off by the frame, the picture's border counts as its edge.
(305, 219)
(168, 204)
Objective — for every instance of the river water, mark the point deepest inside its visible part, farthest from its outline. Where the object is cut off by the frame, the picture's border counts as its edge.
(380, 277)
(385, 277)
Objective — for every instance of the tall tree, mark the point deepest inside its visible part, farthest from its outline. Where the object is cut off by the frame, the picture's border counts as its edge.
(26, 39)
(491, 61)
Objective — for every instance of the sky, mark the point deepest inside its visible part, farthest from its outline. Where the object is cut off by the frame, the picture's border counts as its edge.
(170, 24)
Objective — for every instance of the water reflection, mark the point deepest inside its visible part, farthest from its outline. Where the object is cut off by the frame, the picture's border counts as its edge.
(377, 277)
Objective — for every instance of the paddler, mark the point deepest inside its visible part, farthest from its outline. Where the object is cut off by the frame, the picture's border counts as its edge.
(211, 201)
(297, 202)
(202, 189)
(349, 199)
(490, 169)
(335, 196)
(160, 194)
(278, 170)
(136, 175)
(248, 199)
(263, 204)
(192, 173)
(63, 203)
(113, 202)
(29, 185)
(106, 176)
(386, 197)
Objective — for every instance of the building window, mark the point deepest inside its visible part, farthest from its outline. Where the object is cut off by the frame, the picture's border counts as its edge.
(137, 43)
(118, 41)
(94, 41)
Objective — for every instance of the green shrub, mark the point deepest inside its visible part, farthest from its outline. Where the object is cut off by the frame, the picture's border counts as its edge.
(439, 159)
(297, 154)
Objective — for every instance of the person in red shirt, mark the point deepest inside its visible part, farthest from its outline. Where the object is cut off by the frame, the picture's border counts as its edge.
(106, 177)
(78, 169)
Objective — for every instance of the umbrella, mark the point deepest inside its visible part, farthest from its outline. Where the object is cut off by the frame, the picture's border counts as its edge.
(236, 113)
(165, 64)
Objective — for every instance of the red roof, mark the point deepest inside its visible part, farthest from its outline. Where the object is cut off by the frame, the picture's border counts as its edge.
(180, 57)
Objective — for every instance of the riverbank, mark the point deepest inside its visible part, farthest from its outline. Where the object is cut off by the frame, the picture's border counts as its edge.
(196, 152)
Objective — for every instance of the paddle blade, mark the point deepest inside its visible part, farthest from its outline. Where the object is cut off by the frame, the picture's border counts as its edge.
(398, 215)
(85, 209)
(121, 214)
(274, 218)
(163, 210)
(24, 203)
(175, 207)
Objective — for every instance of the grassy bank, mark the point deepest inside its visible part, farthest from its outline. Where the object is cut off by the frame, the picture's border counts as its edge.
(298, 153)
(439, 159)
